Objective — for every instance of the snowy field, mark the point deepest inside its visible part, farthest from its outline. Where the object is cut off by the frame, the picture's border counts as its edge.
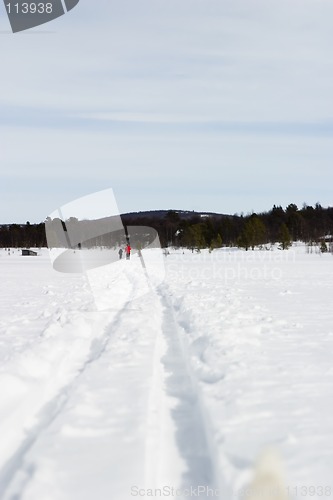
(170, 391)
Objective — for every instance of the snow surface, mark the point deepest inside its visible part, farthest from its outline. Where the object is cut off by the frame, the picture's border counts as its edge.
(178, 384)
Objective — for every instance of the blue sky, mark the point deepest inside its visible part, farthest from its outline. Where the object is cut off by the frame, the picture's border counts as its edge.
(219, 105)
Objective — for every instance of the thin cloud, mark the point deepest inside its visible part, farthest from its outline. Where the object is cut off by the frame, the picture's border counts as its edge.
(198, 95)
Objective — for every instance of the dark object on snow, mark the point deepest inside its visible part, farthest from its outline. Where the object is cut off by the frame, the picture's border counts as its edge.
(28, 252)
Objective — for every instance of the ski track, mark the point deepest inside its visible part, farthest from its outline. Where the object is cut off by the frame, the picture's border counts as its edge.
(195, 434)
(50, 411)
(179, 448)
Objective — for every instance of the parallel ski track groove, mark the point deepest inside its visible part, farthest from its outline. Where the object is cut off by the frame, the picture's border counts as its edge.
(53, 408)
(204, 418)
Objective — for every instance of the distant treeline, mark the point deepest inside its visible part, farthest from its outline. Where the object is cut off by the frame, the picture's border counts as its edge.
(22, 235)
(308, 224)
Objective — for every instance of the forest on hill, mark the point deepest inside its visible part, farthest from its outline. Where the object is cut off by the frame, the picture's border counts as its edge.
(310, 224)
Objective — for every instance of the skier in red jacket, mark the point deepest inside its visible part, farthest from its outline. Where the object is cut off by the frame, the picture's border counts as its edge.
(128, 251)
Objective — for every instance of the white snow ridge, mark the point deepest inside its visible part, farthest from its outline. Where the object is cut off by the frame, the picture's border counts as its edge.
(214, 383)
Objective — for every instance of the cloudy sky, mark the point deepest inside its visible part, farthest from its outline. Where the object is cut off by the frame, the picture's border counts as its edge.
(213, 105)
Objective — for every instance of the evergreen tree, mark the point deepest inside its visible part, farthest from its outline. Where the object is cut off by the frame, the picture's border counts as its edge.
(194, 237)
(216, 242)
(284, 237)
(253, 234)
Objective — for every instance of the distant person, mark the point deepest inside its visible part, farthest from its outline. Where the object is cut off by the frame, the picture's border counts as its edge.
(128, 251)
(120, 253)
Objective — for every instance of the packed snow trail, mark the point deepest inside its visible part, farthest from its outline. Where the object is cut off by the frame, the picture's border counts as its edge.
(99, 435)
(130, 412)
(195, 442)
(65, 361)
